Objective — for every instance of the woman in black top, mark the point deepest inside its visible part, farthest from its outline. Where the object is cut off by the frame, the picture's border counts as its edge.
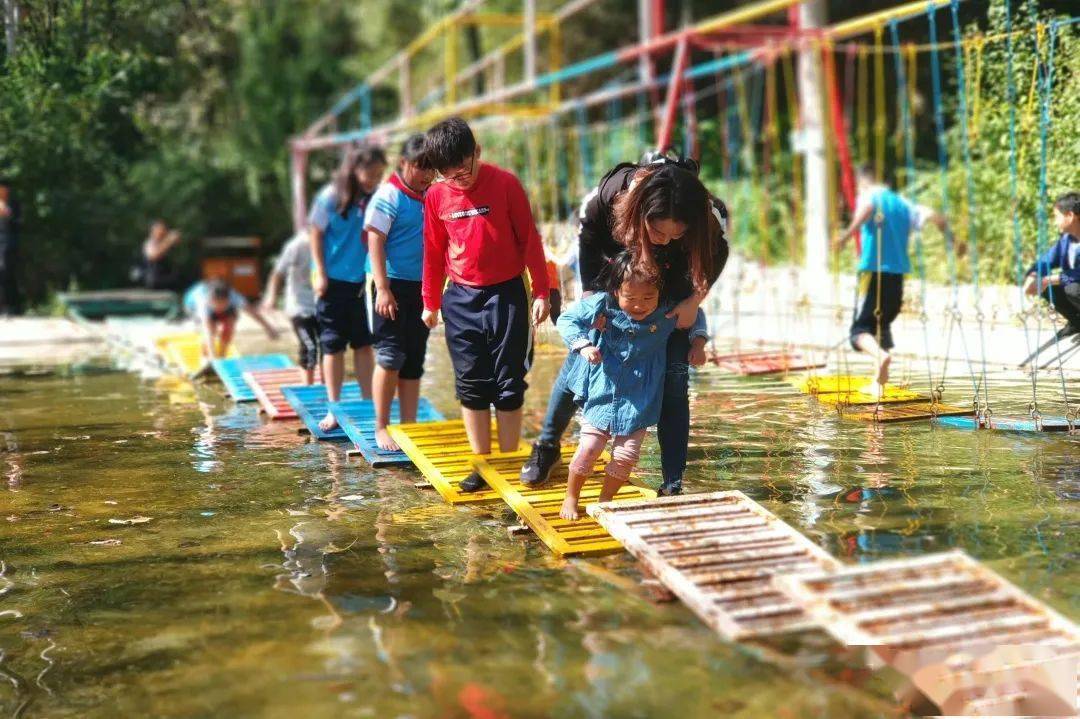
(661, 212)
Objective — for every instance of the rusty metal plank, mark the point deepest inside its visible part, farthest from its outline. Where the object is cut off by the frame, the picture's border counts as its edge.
(907, 412)
(759, 363)
(726, 579)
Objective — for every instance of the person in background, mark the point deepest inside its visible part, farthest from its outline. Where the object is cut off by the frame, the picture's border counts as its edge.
(293, 267)
(394, 223)
(339, 256)
(158, 273)
(659, 210)
(885, 220)
(10, 221)
(1062, 290)
(215, 307)
(479, 232)
(620, 380)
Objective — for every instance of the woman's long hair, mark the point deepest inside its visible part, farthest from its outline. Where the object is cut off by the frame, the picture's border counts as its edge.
(667, 192)
(347, 189)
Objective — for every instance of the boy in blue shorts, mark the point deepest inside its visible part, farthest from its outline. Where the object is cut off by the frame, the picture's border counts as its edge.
(885, 219)
(339, 256)
(394, 223)
(215, 306)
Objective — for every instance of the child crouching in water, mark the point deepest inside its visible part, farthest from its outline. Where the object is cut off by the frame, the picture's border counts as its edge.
(619, 379)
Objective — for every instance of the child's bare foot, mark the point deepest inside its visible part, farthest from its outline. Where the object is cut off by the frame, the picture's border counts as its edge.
(605, 498)
(883, 369)
(570, 510)
(385, 441)
(328, 422)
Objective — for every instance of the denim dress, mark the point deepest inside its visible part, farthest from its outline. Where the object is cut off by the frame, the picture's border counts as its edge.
(621, 394)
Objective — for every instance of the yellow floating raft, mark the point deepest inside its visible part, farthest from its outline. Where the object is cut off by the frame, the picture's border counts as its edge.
(183, 350)
(441, 451)
(844, 390)
(539, 508)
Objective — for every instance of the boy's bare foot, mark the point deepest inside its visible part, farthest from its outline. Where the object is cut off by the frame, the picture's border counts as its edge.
(570, 510)
(873, 389)
(328, 422)
(385, 441)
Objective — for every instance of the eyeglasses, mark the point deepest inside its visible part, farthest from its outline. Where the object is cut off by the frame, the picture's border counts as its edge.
(461, 178)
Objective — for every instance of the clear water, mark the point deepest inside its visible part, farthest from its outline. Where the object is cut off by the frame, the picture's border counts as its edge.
(277, 579)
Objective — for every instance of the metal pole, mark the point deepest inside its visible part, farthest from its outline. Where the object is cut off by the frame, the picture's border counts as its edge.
(530, 41)
(298, 175)
(405, 87)
(645, 34)
(11, 20)
(671, 104)
(812, 14)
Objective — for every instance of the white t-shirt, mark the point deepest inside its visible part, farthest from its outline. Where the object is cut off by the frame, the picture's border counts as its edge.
(295, 264)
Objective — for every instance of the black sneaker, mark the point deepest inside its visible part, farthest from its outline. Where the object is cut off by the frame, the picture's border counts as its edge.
(1066, 331)
(537, 469)
(473, 483)
(670, 489)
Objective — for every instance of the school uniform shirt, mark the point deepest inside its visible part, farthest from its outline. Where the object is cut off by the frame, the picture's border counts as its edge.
(397, 211)
(197, 301)
(1064, 255)
(893, 218)
(481, 236)
(344, 250)
(597, 245)
(622, 394)
(294, 264)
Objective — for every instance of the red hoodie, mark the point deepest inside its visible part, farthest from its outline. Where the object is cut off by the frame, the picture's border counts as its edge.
(480, 236)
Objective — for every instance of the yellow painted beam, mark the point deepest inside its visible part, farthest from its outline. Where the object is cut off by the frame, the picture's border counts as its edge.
(867, 23)
(745, 14)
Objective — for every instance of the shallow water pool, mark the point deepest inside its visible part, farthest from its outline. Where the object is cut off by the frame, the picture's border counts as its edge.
(268, 576)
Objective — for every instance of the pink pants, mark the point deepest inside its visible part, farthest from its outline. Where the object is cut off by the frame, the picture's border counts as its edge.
(625, 451)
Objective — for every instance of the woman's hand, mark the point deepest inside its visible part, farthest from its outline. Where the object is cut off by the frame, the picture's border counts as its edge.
(386, 303)
(592, 354)
(540, 309)
(319, 283)
(430, 318)
(696, 356)
(685, 313)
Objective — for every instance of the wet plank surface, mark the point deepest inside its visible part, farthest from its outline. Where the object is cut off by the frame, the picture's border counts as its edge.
(357, 420)
(230, 370)
(266, 386)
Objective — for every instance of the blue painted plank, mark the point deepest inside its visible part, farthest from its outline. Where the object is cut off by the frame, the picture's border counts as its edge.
(231, 372)
(357, 419)
(311, 405)
(1006, 424)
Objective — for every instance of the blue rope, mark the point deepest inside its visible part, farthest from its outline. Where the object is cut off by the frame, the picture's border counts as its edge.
(965, 143)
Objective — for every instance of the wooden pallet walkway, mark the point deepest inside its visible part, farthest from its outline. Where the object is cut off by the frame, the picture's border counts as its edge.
(311, 403)
(357, 420)
(230, 370)
(1007, 424)
(266, 386)
(906, 412)
(719, 553)
(182, 351)
(538, 508)
(441, 451)
(952, 625)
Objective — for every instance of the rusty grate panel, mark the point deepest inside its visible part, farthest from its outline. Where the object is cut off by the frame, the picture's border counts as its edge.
(970, 640)
(719, 553)
(908, 412)
(945, 599)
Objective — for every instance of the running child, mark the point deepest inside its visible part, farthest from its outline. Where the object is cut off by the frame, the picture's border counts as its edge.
(620, 386)
(338, 256)
(479, 231)
(394, 223)
(293, 267)
(885, 220)
(215, 306)
(1061, 290)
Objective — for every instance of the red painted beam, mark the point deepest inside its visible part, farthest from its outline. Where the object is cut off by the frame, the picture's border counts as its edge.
(671, 104)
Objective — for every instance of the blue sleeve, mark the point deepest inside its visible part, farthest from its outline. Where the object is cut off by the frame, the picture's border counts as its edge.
(700, 328)
(321, 210)
(1050, 259)
(577, 321)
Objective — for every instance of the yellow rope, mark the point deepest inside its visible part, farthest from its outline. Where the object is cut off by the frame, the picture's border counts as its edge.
(880, 118)
(976, 107)
(862, 104)
(748, 147)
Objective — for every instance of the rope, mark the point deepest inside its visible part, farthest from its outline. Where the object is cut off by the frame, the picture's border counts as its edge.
(965, 143)
(880, 117)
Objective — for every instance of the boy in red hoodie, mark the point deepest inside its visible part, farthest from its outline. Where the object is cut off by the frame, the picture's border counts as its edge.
(479, 232)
